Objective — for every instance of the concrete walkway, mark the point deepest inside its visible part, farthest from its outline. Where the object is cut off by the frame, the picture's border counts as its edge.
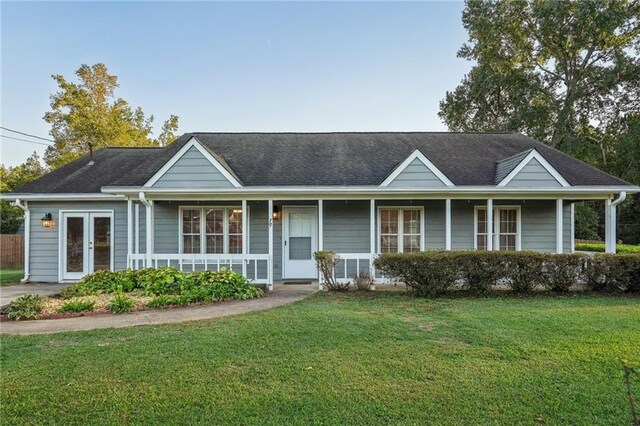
(281, 295)
(11, 292)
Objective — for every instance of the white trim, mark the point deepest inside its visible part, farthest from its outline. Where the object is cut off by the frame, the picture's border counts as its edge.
(87, 215)
(101, 196)
(203, 232)
(245, 228)
(401, 226)
(129, 231)
(270, 240)
(573, 227)
(137, 233)
(548, 167)
(559, 225)
(320, 225)
(490, 224)
(372, 226)
(416, 154)
(27, 236)
(447, 224)
(193, 143)
(494, 230)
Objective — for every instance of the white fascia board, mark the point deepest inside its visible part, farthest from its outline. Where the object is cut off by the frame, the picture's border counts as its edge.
(193, 143)
(64, 197)
(548, 167)
(424, 160)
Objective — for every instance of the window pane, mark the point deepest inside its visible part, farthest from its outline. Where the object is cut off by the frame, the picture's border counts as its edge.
(508, 221)
(411, 244)
(215, 221)
(389, 244)
(215, 244)
(101, 243)
(508, 242)
(389, 221)
(482, 242)
(235, 244)
(191, 221)
(191, 243)
(235, 221)
(75, 244)
(482, 221)
(411, 219)
(300, 248)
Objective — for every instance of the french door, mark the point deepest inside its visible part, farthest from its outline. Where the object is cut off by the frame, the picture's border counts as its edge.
(300, 242)
(87, 243)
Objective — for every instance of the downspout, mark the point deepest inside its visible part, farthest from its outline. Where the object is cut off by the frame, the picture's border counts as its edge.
(621, 198)
(611, 223)
(27, 236)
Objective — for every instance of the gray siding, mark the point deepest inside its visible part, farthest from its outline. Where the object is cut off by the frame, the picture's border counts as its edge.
(417, 175)
(193, 170)
(45, 244)
(533, 175)
(346, 226)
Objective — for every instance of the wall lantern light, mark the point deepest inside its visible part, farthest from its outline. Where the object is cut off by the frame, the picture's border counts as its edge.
(276, 213)
(47, 220)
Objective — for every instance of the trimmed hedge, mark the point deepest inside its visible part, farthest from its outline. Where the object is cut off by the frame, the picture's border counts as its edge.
(433, 272)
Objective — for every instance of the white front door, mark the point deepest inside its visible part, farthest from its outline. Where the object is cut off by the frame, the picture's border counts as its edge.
(300, 242)
(87, 243)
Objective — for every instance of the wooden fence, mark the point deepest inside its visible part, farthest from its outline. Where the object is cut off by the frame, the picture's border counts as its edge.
(11, 251)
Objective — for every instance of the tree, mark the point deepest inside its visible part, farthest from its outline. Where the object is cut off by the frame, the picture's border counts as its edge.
(12, 178)
(89, 112)
(564, 72)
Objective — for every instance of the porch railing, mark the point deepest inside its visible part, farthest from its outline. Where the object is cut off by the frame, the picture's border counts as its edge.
(255, 267)
(351, 264)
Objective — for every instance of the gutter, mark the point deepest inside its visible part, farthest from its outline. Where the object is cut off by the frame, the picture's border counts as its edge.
(27, 235)
(621, 198)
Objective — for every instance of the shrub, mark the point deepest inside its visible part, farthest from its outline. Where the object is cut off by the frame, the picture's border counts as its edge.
(613, 273)
(480, 271)
(425, 273)
(27, 306)
(77, 306)
(562, 271)
(120, 303)
(103, 282)
(524, 270)
(164, 300)
(327, 261)
(363, 280)
(157, 281)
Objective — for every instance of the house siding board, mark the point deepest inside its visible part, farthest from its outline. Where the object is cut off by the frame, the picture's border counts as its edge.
(193, 170)
(416, 175)
(45, 245)
(346, 226)
(533, 175)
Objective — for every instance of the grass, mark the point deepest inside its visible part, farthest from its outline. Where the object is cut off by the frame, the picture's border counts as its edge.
(375, 358)
(599, 247)
(10, 276)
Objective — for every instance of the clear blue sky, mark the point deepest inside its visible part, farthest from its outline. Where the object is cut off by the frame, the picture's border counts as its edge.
(239, 66)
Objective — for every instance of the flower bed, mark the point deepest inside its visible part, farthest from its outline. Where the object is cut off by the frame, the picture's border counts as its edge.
(124, 291)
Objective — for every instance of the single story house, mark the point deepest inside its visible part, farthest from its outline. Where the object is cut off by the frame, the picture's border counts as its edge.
(263, 203)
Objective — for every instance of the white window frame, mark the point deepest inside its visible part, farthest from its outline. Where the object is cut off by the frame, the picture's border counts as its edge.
(203, 230)
(401, 210)
(496, 225)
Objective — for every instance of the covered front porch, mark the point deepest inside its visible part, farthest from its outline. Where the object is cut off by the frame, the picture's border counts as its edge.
(273, 240)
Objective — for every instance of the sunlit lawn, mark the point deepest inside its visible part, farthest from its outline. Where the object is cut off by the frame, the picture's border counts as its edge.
(10, 276)
(381, 358)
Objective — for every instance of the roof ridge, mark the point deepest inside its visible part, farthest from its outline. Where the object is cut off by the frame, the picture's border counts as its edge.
(516, 155)
(356, 133)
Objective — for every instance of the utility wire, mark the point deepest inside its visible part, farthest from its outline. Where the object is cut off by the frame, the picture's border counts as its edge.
(24, 140)
(26, 134)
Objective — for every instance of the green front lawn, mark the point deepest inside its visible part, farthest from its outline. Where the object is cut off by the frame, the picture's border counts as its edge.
(599, 247)
(376, 358)
(10, 276)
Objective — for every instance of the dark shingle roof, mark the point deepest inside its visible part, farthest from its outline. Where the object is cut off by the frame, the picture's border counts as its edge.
(278, 159)
(506, 166)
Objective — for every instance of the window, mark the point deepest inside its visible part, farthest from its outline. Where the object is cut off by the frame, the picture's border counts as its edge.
(213, 230)
(506, 228)
(400, 229)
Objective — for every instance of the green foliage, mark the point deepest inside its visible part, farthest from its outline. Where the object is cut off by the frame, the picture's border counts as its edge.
(77, 306)
(586, 224)
(165, 300)
(27, 306)
(120, 304)
(363, 280)
(599, 248)
(89, 111)
(613, 273)
(13, 178)
(166, 280)
(434, 272)
(104, 282)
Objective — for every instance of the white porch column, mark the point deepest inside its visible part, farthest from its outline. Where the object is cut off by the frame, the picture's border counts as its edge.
(447, 224)
(320, 225)
(559, 228)
(129, 231)
(573, 227)
(270, 228)
(149, 222)
(245, 228)
(137, 236)
(372, 227)
(609, 227)
(490, 224)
